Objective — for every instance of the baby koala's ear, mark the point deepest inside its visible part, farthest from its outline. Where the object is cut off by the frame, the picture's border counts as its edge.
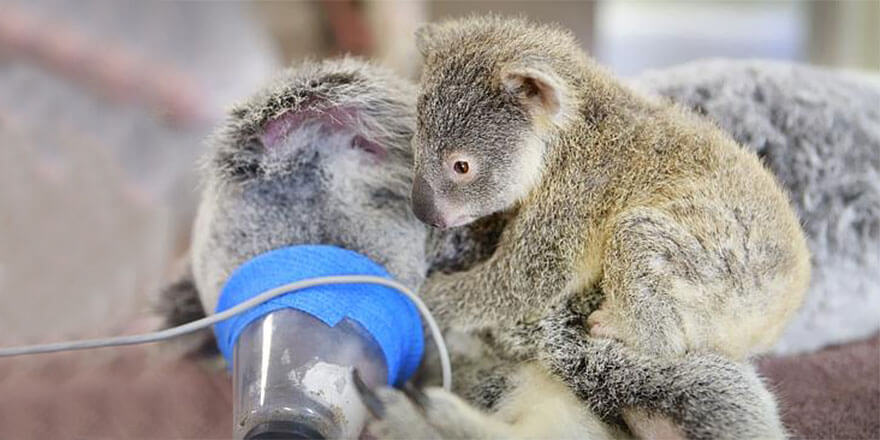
(540, 90)
(425, 36)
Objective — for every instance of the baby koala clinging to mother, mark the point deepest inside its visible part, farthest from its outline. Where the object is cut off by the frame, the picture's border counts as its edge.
(321, 156)
(689, 240)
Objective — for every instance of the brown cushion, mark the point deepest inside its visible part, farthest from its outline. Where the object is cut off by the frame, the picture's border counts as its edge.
(150, 392)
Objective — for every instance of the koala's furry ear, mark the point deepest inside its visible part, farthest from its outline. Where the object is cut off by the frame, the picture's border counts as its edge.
(425, 36)
(179, 301)
(540, 90)
(178, 304)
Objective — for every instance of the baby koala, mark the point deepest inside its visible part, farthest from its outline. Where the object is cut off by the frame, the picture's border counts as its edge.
(687, 238)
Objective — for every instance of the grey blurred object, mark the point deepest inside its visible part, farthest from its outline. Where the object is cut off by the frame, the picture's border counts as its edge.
(818, 130)
(104, 107)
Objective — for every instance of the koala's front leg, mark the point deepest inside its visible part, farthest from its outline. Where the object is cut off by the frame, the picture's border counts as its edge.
(513, 285)
(463, 299)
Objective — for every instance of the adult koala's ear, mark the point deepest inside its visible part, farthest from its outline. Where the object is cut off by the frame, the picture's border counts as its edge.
(539, 89)
(179, 301)
(331, 119)
(425, 37)
(178, 304)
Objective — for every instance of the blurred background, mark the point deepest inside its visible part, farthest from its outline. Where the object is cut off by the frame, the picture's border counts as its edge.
(104, 111)
(105, 105)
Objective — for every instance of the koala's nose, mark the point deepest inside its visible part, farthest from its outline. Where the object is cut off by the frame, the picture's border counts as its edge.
(423, 203)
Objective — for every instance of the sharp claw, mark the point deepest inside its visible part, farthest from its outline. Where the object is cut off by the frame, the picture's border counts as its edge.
(416, 395)
(370, 399)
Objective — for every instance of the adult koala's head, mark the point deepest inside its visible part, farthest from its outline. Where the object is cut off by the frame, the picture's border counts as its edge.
(494, 91)
(320, 156)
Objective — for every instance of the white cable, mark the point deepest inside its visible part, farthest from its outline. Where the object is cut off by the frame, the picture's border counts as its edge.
(208, 321)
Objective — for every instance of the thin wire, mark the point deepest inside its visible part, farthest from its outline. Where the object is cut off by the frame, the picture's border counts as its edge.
(208, 321)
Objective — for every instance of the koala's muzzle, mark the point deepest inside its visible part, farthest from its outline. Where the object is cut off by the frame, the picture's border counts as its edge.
(423, 204)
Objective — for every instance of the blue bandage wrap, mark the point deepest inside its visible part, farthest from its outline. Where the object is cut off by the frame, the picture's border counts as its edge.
(386, 314)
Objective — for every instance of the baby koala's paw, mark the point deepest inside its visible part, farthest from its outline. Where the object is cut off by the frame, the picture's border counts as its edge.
(603, 325)
(414, 414)
(652, 426)
(658, 337)
(396, 416)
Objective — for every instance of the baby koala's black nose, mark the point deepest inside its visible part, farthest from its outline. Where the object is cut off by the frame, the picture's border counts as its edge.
(423, 203)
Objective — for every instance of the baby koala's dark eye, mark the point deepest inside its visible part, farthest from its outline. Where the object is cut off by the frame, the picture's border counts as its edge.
(460, 167)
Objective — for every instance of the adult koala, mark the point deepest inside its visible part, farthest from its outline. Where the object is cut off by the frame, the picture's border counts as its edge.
(322, 155)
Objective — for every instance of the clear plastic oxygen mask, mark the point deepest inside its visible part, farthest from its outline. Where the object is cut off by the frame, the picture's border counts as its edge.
(293, 357)
(292, 377)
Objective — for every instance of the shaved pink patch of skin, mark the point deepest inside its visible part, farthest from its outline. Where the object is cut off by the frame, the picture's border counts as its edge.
(276, 130)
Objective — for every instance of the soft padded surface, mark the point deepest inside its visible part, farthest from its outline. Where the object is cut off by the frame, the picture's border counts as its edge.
(830, 394)
(148, 392)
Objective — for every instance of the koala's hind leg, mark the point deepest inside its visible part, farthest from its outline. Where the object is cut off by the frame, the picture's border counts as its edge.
(702, 396)
(672, 287)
